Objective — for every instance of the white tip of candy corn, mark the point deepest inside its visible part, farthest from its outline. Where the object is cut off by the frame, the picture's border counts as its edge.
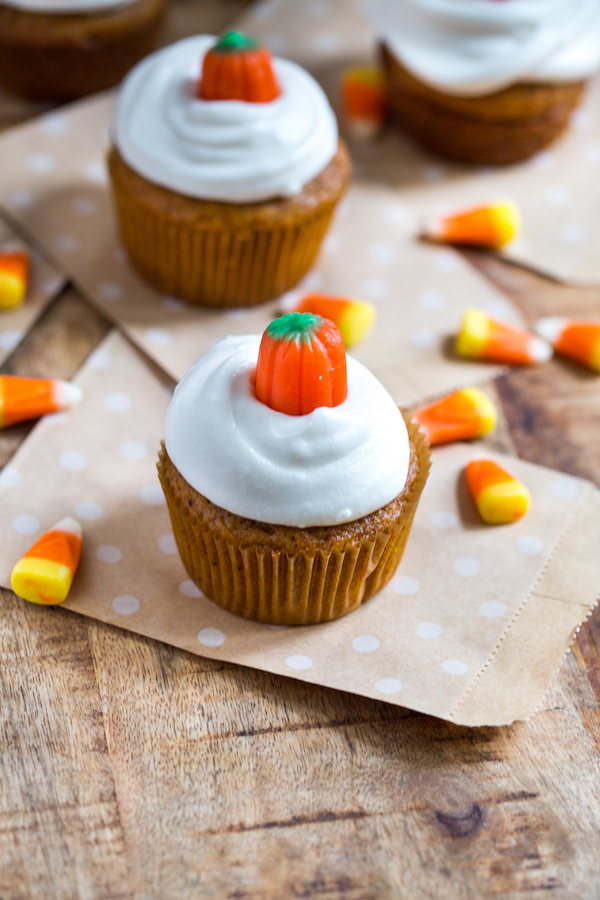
(551, 328)
(66, 394)
(68, 524)
(541, 350)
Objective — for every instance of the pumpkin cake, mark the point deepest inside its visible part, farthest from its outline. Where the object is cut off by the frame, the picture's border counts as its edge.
(224, 184)
(290, 475)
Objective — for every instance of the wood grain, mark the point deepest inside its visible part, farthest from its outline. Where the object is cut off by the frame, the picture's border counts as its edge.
(134, 771)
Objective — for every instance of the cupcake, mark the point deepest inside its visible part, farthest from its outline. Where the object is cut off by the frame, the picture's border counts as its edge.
(486, 82)
(225, 182)
(57, 50)
(291, 476)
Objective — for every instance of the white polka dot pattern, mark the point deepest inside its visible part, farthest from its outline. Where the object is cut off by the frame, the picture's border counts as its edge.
(88, 509)
(10, 477)
(25, 524)
(467, 567)
(388, 686)
(365, 643)
(492, 609)
(107, 553)
(428, 630)
(530, 546)
(211, 637)
(126, 605)
(299, 662)
(189, 589)
(454, 667)
(405, 584)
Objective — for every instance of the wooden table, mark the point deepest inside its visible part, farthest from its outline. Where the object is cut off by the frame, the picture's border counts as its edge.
(134, 770)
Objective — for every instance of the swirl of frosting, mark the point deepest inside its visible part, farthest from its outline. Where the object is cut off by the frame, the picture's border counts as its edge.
(85, 7)
(475, 47)
(225, 150)
(334, 465)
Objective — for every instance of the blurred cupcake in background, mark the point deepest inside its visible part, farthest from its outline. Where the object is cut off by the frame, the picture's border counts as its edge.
(226, 168)
(486, 81)
(58, 50)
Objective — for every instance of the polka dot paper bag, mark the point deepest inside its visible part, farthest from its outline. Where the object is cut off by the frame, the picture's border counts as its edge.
(471, 629)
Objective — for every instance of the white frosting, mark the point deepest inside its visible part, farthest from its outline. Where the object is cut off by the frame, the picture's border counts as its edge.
(67, 6)
(331, 466)
(474, 47)
(226, 150)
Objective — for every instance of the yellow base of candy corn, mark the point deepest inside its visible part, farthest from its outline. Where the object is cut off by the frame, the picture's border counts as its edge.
(507, 219)
(41, 581)
(486, 409)
(356, 323)
(502, 503)
(12, 291)
(473, 335)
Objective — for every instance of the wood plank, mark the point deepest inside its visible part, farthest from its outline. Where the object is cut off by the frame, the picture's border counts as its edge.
(233, 783)
(60, 832)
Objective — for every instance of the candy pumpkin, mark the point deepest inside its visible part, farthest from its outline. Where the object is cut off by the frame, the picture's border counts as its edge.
(301, 365)
(238, 68)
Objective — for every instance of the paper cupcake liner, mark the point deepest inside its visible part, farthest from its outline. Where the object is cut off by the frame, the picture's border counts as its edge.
(276, 587)
(226, 263)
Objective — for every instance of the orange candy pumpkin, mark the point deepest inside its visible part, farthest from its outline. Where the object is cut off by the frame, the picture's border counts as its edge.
(238, 68)
(301, 365)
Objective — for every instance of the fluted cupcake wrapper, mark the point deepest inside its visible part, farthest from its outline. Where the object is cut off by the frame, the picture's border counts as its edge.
(218, 262)
(283, 589)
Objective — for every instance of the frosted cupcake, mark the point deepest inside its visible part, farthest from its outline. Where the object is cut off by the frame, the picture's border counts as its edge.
(486, 82)
(226, 169)
(291, 476)
(59, 50)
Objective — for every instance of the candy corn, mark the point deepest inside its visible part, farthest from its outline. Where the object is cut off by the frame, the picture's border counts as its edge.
(499, 497)
(483, 337)
(29, 398)
(14, 272)
(480, 226)
(354, 318)
(465, 414)
(578, 340)
(45, 573)
(363, 100)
